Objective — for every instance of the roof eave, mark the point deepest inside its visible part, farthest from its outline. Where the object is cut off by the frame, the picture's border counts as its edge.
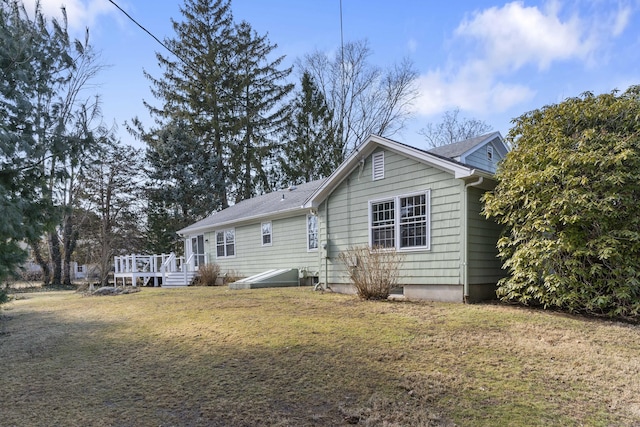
(285, 213)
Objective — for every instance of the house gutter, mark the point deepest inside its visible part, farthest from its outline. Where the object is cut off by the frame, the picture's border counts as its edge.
(465, 237)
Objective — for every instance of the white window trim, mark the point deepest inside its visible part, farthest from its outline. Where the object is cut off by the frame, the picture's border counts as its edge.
(317, 232)
(396, 204)
(262, 234)
(490, 153)
(235, 243)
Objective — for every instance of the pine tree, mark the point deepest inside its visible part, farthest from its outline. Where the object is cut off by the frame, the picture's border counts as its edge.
(260, 112)
(43, 129)
(180, 172)
(310, 150)
(197, 89)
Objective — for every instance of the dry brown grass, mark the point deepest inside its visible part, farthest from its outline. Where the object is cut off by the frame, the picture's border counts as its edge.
(293, 357)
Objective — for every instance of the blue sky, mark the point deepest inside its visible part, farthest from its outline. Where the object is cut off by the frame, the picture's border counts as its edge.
(493, 60)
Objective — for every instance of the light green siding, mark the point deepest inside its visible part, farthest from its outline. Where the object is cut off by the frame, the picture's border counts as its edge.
(346, 210)
(288, 248)
(484, 264)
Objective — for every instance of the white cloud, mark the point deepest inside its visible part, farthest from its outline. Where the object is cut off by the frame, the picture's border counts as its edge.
(515, 35)
(620, 21)
(491, 47)
(80, 14)
(469, 91)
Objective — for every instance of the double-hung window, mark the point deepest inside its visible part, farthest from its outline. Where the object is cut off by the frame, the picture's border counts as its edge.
(312, 232)
(266, 234)
(226, 243)
(400, 222)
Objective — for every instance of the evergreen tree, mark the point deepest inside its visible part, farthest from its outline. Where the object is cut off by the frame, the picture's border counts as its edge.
(310, 150)
(197, 90)
(181, 171)
(261, 115)
(43, 132)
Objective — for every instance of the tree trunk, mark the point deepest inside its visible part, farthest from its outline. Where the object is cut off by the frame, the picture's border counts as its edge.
(69, 239)
(56, 259)
(44, 265)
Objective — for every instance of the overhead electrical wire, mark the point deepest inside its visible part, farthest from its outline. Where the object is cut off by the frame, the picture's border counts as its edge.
(152, 35)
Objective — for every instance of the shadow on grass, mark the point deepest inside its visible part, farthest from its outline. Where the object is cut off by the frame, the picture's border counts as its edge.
(59, 370)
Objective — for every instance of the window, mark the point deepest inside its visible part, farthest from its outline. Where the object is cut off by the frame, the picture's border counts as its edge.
(266, 234)
(312, 232)
(490, 153)
(401, 222)
(377, 161)
(383, 230)
(413, 221)
(226, 243)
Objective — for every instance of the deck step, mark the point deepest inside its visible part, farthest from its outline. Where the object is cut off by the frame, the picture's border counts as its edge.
(177, 279)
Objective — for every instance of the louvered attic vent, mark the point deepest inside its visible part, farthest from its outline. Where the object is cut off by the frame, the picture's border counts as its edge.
(377, 160)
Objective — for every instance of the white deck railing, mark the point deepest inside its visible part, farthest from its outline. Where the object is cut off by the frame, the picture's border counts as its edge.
(153, 266)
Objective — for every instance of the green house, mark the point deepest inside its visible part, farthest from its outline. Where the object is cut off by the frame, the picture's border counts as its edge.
(424, 204)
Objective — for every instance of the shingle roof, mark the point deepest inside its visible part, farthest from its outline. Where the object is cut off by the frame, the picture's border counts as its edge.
(281, 201)
(459, 148)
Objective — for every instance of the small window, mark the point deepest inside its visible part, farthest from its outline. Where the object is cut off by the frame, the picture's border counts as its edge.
(225, 243)
(312, 232)
(377, 161)
(490, 153)
(266, 234)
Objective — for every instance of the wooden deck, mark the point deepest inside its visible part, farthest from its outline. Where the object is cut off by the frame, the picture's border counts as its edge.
(167, 270)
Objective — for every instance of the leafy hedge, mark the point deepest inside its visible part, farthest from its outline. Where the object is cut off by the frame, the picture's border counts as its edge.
(569, 198)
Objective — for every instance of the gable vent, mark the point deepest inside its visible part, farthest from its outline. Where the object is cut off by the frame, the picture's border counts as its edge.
(377, 160)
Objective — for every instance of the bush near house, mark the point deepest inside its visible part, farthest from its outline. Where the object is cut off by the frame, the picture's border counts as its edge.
(568, 196)
(208, 275)
(373, 271)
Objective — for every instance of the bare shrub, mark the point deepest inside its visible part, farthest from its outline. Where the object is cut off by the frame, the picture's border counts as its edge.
(373, 271)
(208, 275)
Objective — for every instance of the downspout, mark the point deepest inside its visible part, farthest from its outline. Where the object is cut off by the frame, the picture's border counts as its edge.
(465, 235)
(326, 243)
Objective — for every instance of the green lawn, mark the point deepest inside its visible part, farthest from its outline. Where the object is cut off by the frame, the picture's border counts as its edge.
(295, 357)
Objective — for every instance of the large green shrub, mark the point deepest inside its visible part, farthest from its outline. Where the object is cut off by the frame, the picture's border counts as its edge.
(569, 198)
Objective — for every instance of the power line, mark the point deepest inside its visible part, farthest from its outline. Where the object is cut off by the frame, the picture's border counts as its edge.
(151, 34)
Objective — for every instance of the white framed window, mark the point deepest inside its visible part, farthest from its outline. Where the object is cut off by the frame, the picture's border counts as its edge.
(383, 228)
(377, 165)
(266, 233)
(401, 222)
(226, 243)
(490, 153)
(312, 232)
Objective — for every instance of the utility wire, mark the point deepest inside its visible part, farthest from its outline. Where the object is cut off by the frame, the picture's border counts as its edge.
(152, 35)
